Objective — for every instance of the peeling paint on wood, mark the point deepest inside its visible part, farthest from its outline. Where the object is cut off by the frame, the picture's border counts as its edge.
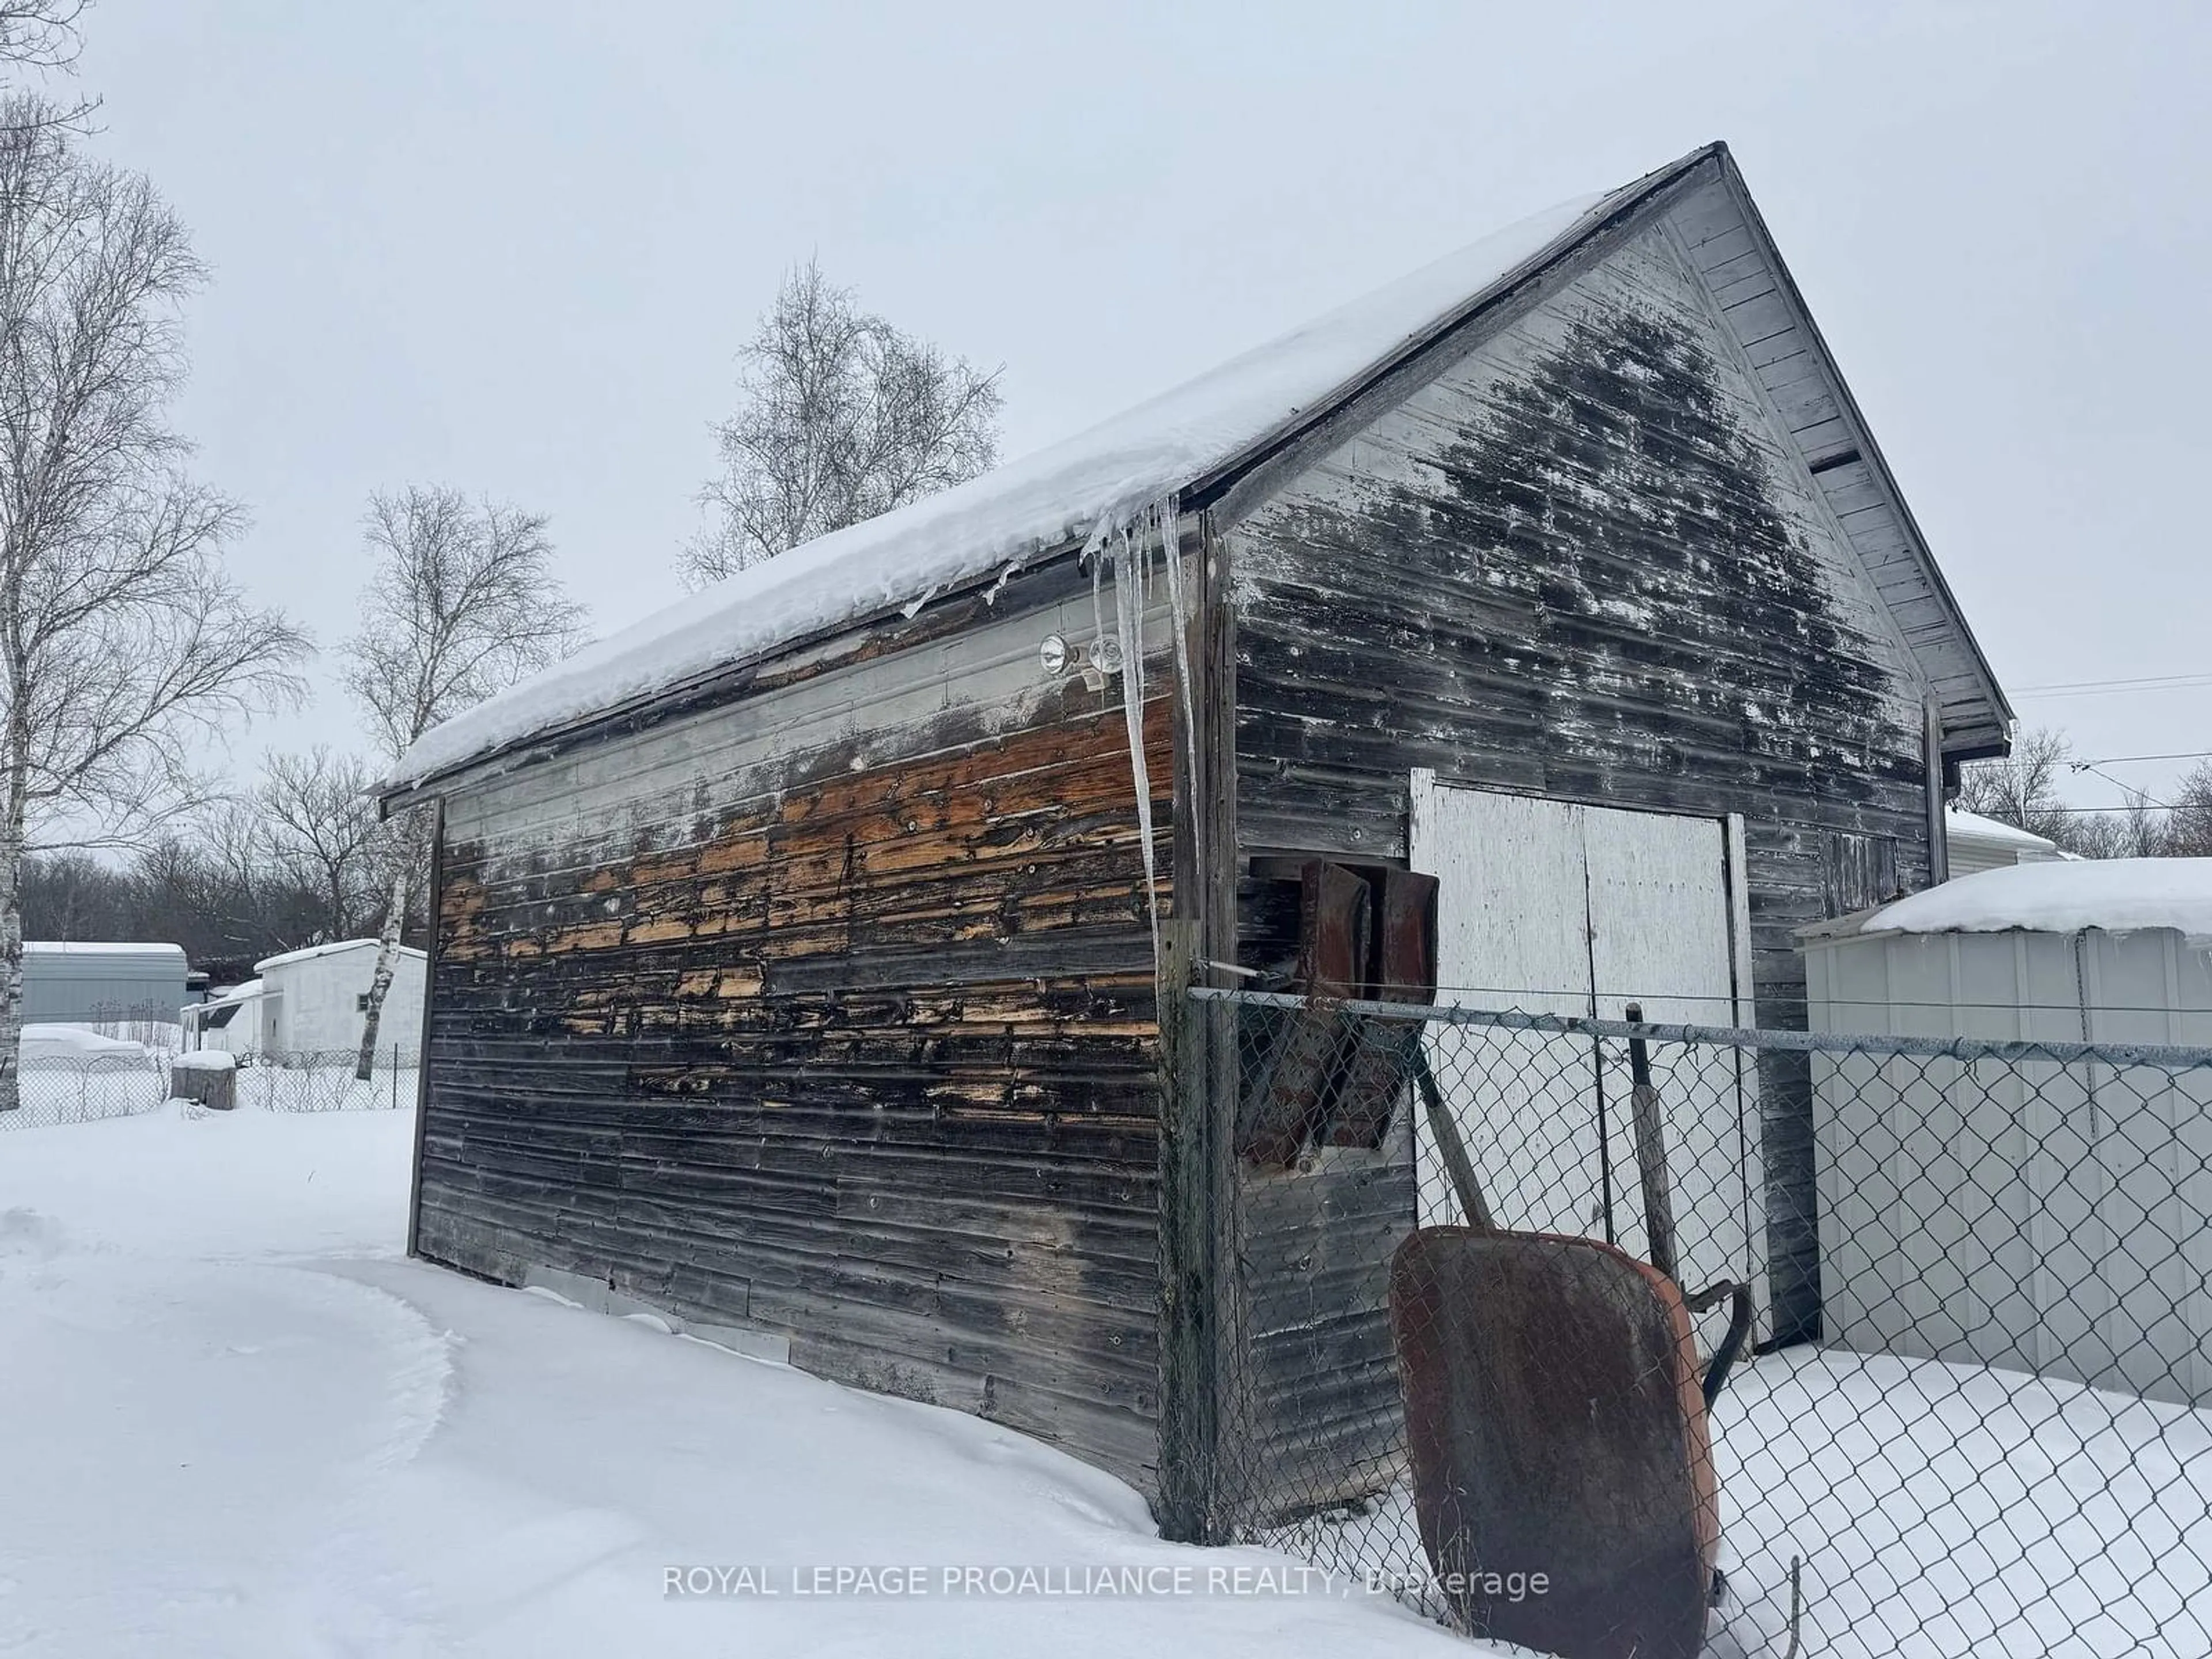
(859, 1053)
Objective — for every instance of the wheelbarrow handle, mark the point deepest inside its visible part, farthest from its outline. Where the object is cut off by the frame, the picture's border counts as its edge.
(1731, 1348)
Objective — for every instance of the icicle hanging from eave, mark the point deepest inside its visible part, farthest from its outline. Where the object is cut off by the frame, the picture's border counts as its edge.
(1165, 515)
(1129, 559)
(1126, 542)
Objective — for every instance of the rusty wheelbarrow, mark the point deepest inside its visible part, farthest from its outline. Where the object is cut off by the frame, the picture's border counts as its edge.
(1556, 1420)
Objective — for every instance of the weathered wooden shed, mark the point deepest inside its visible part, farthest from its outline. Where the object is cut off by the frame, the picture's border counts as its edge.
(810, 962)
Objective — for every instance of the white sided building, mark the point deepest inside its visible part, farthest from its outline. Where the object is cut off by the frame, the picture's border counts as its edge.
(312, 1001)
(1977, 843)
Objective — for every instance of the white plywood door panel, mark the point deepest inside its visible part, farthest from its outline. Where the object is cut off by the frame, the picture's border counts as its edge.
(1662, 937)
(1511, 933)
(1558, 907)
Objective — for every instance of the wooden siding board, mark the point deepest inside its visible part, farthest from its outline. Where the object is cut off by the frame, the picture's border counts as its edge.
(1586, 563)
(830, 1012)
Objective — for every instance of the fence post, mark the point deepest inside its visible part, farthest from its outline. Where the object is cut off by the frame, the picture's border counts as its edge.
(1650, 1153)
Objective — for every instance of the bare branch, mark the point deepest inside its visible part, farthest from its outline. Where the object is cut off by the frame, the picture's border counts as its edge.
(463, 604)
(2022, 789)
(842, 417)
(319, 833)
(121, 640)
(41, 34)
(2190, 833)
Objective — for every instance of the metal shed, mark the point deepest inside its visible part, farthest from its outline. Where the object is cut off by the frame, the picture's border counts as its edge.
(77, 983)
(2062, 1223)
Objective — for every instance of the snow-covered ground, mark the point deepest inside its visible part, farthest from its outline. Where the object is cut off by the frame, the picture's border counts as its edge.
(235, 1421)
(1937, 1511)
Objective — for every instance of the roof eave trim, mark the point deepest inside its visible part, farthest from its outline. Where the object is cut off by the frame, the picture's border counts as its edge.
(2002, 717)
(717, 684)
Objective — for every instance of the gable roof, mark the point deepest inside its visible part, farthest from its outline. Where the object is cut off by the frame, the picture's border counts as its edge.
(1199, 437)
(336, 947)
(1960, 821)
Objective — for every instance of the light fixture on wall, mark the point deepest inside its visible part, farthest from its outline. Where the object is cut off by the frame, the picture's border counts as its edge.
(1103, 660)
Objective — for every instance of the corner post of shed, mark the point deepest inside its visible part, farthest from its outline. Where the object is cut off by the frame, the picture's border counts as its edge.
(1198, 1079)
(434, 903)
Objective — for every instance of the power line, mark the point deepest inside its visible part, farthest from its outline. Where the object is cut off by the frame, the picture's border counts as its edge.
(2101, 687)
(2145, 807)
(2123, 760)
(2139, 798)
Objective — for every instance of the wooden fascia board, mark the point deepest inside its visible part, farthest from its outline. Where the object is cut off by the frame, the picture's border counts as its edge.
(1971, 743)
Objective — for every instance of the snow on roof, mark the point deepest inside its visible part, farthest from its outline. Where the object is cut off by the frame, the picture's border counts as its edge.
(1102, 479)
(2118, 895)
(242, 992)
(336, 947)
(102, 948)
(1961, 822)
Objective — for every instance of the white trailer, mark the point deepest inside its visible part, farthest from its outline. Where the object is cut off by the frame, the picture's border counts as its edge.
(316, 1000)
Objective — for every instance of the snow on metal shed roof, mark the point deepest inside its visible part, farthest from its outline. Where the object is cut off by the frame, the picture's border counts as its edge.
(151, 952)
(2115, 895)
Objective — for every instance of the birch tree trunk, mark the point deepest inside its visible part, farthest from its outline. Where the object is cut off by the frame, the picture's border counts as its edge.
(387, 946)
(11, 963)
(15, 838)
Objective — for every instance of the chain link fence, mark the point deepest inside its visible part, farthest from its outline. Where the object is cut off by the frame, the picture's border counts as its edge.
(56, 1089)
(327, 1080)
(124, 1079)
(2000, 1443)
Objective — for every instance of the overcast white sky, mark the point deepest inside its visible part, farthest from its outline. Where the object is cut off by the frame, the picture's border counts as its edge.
(512, 247)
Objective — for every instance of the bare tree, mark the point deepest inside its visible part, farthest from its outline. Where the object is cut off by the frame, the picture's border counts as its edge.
(2022, 789)
(2140, 829)
(2191, 832)
(43, 36)
(842, 417)
(40, 35)
(463, 603)
(319, 832)
(2137, 830)
(120, 639)
(205, 883)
